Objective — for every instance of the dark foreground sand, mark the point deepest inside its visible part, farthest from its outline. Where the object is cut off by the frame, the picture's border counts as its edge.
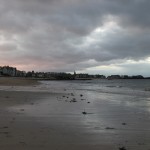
(12, 81)
(54, 121)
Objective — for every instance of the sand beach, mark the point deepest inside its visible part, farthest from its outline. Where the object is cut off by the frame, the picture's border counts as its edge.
(49, 115)
(17, 81)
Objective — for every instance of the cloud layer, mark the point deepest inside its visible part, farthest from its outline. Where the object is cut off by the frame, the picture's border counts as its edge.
(67, 35)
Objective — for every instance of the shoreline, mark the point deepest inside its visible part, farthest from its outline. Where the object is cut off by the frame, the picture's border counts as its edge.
(26, 81)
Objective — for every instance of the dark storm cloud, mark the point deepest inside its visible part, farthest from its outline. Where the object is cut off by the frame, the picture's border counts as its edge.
(63, 35)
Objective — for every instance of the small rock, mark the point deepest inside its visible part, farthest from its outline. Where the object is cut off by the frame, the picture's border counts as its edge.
(72, 94)
(84, 112)
(109, 128)
(73, 100)
(5, 127)
(123, 123)
(122, 148)
(83, 99)
(21, 109)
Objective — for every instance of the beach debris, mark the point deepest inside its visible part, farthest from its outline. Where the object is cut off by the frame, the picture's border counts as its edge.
(122, 148)
(5, 127)
(83, 99)
(21, 109)
(84, 112)
(81, 95)
(73, 100)
(72, 94)
(109, 128)
(124, 123)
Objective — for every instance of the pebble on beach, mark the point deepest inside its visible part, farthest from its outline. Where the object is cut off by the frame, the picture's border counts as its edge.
(122, 148)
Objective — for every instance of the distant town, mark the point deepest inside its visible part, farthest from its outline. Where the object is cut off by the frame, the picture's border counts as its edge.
(7, 71)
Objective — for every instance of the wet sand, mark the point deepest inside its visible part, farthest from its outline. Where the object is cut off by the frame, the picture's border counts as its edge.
(45, 120)
(28, 123)
(16, 81)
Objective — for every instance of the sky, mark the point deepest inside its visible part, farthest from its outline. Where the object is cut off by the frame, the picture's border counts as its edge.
(92, 36)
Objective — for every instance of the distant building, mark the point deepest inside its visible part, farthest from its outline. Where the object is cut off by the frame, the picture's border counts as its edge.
(81, 75)
(20, 73)
(137, 77)
(114, 77)
(8, 71)
(40, 75)
(125, 77)
(1, 71)
(100, 76)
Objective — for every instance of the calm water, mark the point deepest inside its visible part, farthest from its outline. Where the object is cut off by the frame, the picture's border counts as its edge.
(136, 87)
